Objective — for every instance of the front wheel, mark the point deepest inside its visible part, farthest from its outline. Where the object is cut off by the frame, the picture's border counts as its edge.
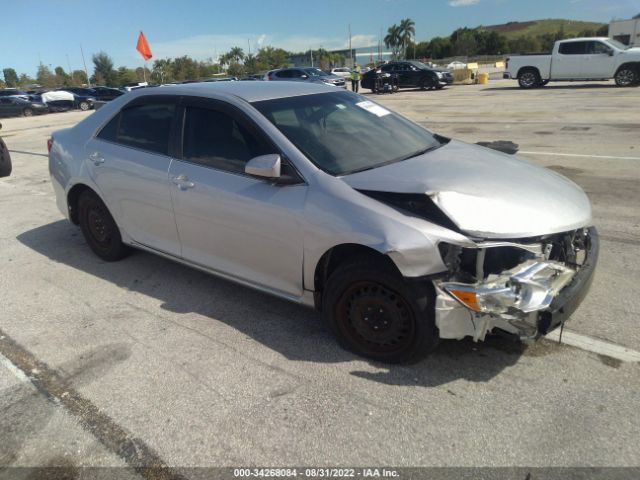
(426, 84)
(27, 112)
(84, 106)
(375, 313)
(625, 77)
(99, 228)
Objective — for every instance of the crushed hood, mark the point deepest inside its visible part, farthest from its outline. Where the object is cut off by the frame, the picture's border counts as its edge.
(485, 193)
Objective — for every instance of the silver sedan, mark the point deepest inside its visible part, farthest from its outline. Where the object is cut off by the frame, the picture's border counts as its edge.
(320, 196)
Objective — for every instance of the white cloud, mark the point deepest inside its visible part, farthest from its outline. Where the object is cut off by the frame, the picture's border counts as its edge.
(462, 3)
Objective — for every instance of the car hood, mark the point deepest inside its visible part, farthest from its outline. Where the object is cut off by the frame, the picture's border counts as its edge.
(485, 193)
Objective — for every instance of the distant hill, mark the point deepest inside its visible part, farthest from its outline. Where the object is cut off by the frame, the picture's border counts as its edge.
(536, 28)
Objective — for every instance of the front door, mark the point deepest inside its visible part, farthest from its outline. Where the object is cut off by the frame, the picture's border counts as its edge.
(599, 60)
(129, 162)
(243, 226)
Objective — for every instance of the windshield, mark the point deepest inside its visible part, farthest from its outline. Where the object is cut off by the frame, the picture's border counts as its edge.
(617, 44)
(315, 72)
(342, 132)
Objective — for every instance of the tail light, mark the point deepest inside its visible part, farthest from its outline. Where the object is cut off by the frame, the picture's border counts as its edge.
(49, 144)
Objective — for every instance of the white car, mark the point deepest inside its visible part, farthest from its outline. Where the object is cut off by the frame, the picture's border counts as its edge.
(343, 72)
(456, 65)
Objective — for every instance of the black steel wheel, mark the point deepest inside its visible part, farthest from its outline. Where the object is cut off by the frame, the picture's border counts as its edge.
(99, 228)
(376, 314)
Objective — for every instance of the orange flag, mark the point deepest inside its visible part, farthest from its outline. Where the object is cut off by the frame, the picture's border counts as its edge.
(143, 47)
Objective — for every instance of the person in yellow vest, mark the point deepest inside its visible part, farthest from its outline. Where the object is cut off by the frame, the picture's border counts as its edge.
(355, 77)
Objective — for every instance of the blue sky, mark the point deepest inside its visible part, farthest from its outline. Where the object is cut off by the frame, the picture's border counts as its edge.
(50, 30)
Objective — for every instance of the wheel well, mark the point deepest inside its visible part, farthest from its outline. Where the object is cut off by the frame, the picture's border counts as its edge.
(339, 255)
(72, 201)
(527, 69)
(634, 65)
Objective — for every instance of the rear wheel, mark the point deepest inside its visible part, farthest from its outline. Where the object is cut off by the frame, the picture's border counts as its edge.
(99, 228)
(529, 79)
(625, 77)
(27, 112)
(375, 313)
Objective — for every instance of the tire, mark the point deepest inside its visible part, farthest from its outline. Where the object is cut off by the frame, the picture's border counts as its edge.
(426, 84)
(5, 160)
(27, 112)
(529, 79)
(625, 77)
(84, 106)
(375, 313)
(99, 228)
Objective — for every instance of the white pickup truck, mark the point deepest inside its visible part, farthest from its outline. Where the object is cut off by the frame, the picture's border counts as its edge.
(577, 59)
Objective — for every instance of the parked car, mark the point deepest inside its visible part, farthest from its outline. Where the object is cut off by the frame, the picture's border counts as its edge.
(5, 158)
(83, 98)
(13, 92)
(16, 106)
(343, 72)
(411, 74)
(456, 65)
(577, 59)
(320, 196)
(306, 74)
(105, 94)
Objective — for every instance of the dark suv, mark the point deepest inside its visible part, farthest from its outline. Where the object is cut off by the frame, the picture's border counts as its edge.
(410, 74)
(5, 159)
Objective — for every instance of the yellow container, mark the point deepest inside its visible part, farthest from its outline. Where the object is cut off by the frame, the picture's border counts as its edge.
(483, 78)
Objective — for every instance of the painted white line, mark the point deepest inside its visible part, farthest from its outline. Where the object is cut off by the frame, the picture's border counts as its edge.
(594, 345)
(19, 374)
(579, 155)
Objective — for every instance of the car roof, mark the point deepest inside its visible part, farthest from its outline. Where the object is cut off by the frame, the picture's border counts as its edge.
(249, 91)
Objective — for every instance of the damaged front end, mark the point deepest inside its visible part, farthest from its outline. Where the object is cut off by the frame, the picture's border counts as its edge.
(526, 287)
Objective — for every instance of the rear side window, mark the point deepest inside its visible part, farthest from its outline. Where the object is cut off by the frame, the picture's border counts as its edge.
(284, 74)
(573, 48)
(147, 127)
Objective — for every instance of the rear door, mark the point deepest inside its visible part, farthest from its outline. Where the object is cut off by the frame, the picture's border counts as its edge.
(569, 61)
(9, 107)
(242, 226)
(129, 161)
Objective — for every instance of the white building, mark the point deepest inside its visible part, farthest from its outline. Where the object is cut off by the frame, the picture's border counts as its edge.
(626, 31)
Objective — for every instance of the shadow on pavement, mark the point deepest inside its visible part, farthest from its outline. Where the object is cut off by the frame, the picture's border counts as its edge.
(294, 331)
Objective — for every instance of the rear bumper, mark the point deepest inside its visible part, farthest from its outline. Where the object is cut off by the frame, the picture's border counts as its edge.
(571, 296)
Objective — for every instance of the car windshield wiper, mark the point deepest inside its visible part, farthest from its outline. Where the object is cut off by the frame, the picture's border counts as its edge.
(417, 154)
(401, 159)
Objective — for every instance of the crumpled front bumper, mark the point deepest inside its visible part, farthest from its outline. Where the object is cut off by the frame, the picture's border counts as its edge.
(456, 321)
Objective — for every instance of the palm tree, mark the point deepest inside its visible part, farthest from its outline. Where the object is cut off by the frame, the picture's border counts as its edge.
(407, 32)
(236, 55)
(393, 40)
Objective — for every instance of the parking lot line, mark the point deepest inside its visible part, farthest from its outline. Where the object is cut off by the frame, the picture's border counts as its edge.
(595, 345)
(609, 157)
(19, 374)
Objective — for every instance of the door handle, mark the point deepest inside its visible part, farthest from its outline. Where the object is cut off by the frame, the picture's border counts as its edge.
(96, 158)
(183, 182)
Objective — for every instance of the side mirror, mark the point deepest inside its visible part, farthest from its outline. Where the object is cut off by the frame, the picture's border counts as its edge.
(267, 166)
(611, 53)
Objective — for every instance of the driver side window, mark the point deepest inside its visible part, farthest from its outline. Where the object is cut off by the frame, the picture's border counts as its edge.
(214, 138)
